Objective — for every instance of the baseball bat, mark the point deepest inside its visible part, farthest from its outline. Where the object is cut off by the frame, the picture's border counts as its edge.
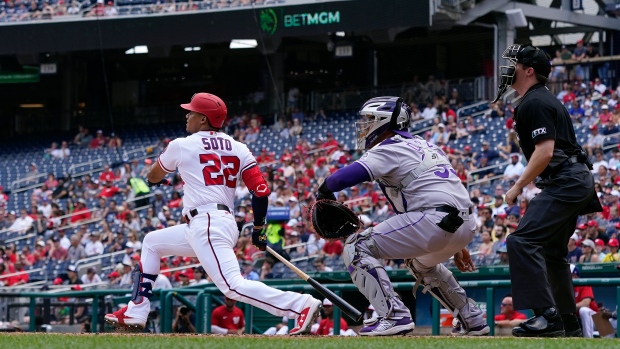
(346, 308)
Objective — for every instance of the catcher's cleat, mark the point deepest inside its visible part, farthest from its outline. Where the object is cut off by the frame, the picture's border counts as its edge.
(458, 330)
(307, 317)
(389, 327)
(119, 320)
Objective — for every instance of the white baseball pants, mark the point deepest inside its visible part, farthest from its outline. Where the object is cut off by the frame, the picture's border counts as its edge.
(211, 236)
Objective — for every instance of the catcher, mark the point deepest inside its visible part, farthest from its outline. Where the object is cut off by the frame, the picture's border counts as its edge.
(434, 221)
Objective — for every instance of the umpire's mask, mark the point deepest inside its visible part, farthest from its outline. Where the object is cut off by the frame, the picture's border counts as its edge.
(527, 55)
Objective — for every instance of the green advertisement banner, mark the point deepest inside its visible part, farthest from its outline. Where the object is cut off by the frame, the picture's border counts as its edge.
(27, 75)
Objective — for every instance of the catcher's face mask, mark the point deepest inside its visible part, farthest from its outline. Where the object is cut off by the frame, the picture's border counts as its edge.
(379, 115)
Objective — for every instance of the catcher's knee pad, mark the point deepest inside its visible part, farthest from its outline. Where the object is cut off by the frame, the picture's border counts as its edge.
(442, 285)
(367, 273)
(142, 284)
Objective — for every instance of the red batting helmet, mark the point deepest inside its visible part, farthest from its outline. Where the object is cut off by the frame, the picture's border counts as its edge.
(210, 106)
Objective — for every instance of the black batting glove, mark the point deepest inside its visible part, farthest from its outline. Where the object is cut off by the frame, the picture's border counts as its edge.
(259, 238)
(164, 181)
(324, 193)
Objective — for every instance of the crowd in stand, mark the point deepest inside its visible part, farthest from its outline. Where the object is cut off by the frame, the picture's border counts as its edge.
(24, 10)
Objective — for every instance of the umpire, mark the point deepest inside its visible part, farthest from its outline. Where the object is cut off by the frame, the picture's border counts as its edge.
(537, 250)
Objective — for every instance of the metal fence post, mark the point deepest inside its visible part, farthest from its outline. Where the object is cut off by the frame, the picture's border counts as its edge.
(32, 309)
(248, 318)
(200, 312)
(336, 315)
(94, 317)
(491, 310)
(169, 312)
(436, 316)
(209, 310)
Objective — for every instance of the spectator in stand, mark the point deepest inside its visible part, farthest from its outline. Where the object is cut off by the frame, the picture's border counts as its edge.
(74, 8)
(319, 265)
(612, 256)
(576, 111)
(599, 86)
(416, 115)
(264, 157)
(330, 144)
(33, 174)
(176, 201)
(588, 256)
(200, 276)
(508, 317)
(40, 252)
(227, 318)
(147, 226)
(98, 10)
(76, 251)
(91, 277)
(486, 247)
(429, 111)
(107, 174)
(605, 115)
(77, 189)
(574, 251)
(110, 11)
(248, 271)
(586, 306)
(21, 276)
(326, 326)
(599, 160)
(109, 190)
(57, 252)
(514, 170)
(441, 136)
(64, 151)
(94, 247)
(589, 118)
(23, 223)
(502, 254)
(266, 270)
(610, 127)
(27, 257)
(595, 140)
(461, 130)
(158, 201)
(100, 140)
(81, 213)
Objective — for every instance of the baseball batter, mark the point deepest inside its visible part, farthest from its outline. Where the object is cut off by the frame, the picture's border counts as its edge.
(434, 220)
(210, 163)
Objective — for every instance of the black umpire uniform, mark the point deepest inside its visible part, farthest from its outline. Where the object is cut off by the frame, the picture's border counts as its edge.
(537, 250)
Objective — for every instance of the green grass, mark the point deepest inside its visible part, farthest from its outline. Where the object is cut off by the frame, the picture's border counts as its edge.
(131, 341)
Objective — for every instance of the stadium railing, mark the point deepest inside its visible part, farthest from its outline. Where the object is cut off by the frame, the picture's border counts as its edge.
(205, 297)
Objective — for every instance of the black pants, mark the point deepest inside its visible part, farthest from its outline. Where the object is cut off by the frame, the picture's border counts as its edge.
(539, 273)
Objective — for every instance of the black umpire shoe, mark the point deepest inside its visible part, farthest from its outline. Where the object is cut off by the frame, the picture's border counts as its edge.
(548, 323)
(571, 325)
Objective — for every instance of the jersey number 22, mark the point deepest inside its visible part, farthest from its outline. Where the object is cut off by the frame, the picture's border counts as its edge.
(213, 164)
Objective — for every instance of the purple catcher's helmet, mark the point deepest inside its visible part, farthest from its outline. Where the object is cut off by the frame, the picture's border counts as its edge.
(380, 114)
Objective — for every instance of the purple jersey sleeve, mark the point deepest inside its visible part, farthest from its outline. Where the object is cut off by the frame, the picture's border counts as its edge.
(347, 176)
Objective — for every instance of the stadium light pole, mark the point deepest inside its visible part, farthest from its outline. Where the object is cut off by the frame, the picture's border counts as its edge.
(495, 53)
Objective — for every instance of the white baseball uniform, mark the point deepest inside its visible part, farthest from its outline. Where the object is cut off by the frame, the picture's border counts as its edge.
(210, 164)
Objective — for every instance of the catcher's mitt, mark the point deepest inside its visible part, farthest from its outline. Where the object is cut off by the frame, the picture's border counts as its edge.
(333, 220)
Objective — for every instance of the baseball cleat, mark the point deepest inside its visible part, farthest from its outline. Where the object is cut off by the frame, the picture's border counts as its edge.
(307, 317)
(119, 320)
(458, 330)
(389, 327)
